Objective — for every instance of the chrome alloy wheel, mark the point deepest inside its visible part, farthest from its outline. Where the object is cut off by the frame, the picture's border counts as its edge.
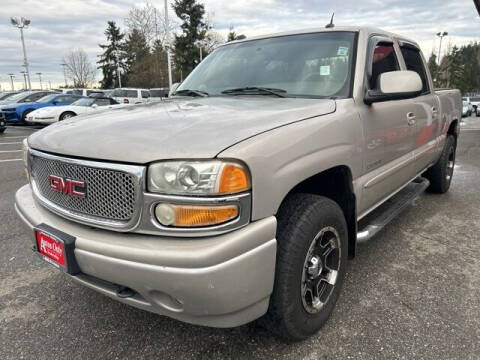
(320, 269)
(450, 164)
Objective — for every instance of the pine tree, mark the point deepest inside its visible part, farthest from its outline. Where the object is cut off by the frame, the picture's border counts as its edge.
(433, 67)
(194, 29)
(232, 35)
(137, 59)
(112, 52)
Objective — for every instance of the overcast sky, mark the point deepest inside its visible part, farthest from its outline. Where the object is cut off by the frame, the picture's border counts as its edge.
(58, 26)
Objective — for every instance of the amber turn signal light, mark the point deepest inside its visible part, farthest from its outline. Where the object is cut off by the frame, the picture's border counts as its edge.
(234, 179)
(194, 215)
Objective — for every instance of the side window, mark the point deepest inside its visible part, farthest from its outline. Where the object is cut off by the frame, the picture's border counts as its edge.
(70, 99)
(131, 93)
(145, 94)
(384, 60)
(102, 102)
(413, 61)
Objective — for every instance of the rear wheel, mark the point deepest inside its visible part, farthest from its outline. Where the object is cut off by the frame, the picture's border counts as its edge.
(2, 130)
(311, 256)
(440, 175)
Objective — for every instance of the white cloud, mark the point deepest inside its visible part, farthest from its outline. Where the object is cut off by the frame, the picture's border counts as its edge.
(61, 25)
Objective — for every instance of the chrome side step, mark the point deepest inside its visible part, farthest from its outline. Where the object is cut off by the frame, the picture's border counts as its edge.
(380, 217)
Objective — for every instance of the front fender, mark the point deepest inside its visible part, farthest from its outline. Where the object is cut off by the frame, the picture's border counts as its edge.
(282, 158)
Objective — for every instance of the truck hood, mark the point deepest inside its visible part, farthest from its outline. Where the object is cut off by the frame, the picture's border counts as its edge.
(174, 129)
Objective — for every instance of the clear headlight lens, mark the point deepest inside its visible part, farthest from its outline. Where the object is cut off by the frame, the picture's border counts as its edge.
(212, 177)
(25, 157)
(25, 152)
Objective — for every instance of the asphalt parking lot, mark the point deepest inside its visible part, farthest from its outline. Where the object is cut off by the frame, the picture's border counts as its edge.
(411, 292)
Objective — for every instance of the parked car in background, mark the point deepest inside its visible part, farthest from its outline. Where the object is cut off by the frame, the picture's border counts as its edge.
(158, 93)
(475, 101)
(6, 95)
(25, 97)
(83, 92)
(3, 124)
(51, 114)
(467, 109)
(17, 113)
(130, 95)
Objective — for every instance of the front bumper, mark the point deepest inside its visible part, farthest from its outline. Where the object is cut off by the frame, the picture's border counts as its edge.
(12, 117)
(221, 281)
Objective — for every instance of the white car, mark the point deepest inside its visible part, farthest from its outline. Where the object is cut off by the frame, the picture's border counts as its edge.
(51, 114)
(130, 95)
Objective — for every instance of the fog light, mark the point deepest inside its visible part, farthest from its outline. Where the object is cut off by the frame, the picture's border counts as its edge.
(165, 214)
(194, 215)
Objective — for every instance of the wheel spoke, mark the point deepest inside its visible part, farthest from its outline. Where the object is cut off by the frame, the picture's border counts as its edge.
(320, 270)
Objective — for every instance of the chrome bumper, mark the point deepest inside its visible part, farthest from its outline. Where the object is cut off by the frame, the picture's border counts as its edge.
(220, 281)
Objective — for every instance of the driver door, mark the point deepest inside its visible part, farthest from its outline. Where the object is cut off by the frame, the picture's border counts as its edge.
(388, 133)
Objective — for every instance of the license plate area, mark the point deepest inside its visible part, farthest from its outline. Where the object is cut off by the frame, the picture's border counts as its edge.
(56, 248)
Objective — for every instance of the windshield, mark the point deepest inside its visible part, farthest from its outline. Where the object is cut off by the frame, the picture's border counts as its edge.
(48, 98)
(306, 65)
(7, 95)
(83, 102)
(19, 96)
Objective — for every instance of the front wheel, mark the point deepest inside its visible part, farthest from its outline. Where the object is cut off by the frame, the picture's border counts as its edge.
(2, 130)
(311, 256)
(66, 115)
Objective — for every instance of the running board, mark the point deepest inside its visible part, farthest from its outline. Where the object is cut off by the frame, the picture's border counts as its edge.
(381, 216)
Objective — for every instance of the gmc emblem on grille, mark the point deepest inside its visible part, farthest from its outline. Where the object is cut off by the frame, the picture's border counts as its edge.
(67, 186)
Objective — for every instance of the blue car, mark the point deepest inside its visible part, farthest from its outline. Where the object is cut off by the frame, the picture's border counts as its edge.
(16, 113)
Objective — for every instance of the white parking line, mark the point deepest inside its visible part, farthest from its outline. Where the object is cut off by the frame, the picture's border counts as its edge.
(11, 160)
(10, 151)
(13, 137)
(20, 127)
(14, 143)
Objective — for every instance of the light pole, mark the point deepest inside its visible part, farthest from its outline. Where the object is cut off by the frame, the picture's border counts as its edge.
(64, 73)
(40, 77)
(167, 41)
(11, 81)
(24, 79)
(118, 69)
(441, 34)
(23, 23)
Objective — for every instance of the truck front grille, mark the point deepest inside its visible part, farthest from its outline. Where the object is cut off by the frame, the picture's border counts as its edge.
(111, 195)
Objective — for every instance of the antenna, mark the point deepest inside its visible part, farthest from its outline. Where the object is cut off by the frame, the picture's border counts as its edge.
(331, 24)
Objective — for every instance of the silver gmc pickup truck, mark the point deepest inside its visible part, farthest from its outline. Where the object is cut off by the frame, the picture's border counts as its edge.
(243, 195)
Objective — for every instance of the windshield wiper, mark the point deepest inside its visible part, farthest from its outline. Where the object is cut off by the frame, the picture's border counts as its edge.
(191, 92)
(256, 90)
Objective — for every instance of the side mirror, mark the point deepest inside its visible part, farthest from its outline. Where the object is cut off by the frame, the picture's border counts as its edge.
(173, 89)
(395, 85)
(94, 106)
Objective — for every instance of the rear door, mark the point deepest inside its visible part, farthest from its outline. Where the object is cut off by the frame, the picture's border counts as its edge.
(389, 135)
(426, 110)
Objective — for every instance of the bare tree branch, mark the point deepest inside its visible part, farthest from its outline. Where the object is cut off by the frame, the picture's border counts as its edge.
(150, 21)
(79, 68)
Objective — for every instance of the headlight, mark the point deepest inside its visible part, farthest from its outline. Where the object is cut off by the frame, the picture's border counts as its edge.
(25, 157)
(213, 177)
(25, 152)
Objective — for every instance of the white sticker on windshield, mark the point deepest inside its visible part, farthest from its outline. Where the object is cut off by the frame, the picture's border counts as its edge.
(342, 51)
(325, 70)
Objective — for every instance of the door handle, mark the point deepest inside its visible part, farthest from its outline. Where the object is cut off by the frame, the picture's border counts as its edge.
(434, 111)
(411, 118)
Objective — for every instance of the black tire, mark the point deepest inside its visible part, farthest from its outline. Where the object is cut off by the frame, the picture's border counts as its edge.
(301, 218)
(440, 175)
(66, 115)
(25, 113)
(2, 130)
